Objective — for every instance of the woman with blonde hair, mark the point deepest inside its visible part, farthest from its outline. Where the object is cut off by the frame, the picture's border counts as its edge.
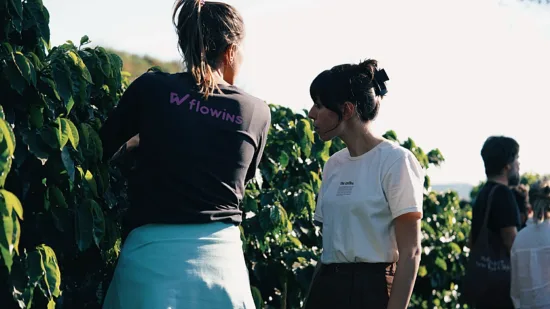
(200, 140)
(530, 257)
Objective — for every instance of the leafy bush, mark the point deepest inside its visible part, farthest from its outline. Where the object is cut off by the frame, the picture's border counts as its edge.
(63, 242)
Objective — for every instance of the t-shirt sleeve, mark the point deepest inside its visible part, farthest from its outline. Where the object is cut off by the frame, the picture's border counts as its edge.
(504, 209)
(404, 185)
(318, 215)
(123, 122)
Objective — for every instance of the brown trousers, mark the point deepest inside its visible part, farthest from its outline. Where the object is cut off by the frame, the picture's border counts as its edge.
(351, 286)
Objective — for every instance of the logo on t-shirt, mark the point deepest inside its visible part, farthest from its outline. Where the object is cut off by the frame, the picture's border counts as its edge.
(195, 105)
(345, 188)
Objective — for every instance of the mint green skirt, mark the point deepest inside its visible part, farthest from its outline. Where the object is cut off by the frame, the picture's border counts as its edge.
(181, 267)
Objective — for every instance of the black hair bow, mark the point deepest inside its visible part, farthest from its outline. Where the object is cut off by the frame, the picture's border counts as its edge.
(380, 78)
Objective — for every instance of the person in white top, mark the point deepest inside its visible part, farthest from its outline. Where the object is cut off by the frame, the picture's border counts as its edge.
(370, 203)
(530, 256)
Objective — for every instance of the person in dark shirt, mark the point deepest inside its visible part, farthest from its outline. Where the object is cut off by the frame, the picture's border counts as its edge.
(200, 140)
(500, 157)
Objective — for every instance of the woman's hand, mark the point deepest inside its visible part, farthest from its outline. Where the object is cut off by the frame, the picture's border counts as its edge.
(132, 143)
(407, 233)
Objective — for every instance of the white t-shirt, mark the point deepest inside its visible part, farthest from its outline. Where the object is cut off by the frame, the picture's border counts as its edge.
(530, 259)
(360, 197)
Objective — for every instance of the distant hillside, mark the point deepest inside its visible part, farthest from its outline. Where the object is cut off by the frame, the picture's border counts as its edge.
(463, 189)
(137, 65)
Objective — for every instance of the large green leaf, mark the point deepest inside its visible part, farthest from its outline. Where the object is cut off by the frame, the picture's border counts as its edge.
(305, 134)
(6, 238)
(44, 270)
(273, 218)
(34, 140)
(66, 131)
(62, 78)
(91, 224)
(99, 222)
(77, 61)
(284, 158)
(6, 133)
(26, 68)
(49, 87)
(11, 211)
(57, 199)
(92, 146)
(12, 203)
(7, 149)
(84, 40)
(439, 262)
(68, 163)
(35, 60)
(105, 62)
(305, 202)
(92, 184)
(322, 149)
(17, 81)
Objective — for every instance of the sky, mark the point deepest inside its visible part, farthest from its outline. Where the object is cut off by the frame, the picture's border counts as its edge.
(459, 71)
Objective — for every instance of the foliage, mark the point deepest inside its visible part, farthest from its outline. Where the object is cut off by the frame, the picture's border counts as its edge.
(61, 205)
(59, 225)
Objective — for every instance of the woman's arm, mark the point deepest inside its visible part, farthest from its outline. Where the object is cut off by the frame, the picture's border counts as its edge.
(407, 233)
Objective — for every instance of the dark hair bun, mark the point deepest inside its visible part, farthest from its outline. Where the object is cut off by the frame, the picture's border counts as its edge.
(361, 84)
(367, 69)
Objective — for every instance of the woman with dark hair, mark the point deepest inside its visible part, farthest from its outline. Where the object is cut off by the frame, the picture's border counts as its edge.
(530, 254)
(370, 202)
(200, 141)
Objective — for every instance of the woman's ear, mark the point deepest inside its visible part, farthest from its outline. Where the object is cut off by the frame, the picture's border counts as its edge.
(230, 54)
(348, 110)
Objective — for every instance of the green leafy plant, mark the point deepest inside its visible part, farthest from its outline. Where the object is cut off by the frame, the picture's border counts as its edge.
(60, 227)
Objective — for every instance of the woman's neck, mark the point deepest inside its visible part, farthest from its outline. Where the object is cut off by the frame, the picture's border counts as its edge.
(359, 139)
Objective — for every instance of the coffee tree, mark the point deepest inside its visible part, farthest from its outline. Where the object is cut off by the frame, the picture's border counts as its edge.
(59, 234)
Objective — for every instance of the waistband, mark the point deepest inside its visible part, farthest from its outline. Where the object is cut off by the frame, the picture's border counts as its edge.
(388, 268)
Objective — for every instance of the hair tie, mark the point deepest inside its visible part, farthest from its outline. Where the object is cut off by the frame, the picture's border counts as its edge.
(380, 78)
(202, 2)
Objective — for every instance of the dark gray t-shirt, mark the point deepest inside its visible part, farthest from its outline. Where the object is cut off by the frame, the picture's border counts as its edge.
(504, 210)
(195, 155)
